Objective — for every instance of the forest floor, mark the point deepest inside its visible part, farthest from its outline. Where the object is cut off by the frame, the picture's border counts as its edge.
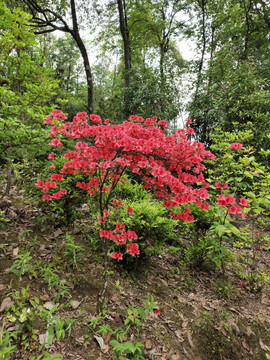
(203, 315)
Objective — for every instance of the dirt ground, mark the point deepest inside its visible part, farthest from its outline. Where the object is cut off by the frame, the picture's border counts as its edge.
(202, 315)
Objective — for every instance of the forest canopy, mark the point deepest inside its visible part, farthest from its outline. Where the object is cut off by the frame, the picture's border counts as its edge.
(124, 57)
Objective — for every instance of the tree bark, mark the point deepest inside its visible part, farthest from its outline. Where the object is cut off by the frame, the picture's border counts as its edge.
(47, 23)
(203, 49)
(125, 37)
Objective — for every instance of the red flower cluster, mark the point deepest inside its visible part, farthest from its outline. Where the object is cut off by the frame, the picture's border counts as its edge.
(120, 236)
(57, 177)
(218, 185)
(56, 142)
(236, 146)
(224, 200)
(55, 115)
(133, 249)
(117, 256)
(172, 165)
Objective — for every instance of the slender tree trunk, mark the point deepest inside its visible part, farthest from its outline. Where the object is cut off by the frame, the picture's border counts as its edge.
(127, 58)
(88, 73)
(125, 37)
(199, 76)
(212, 48)
(86, 62)
(161, 63)
(47, 20)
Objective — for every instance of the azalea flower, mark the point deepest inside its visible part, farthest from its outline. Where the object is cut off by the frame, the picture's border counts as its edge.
(129, 210)
(236, 146)
(56, 142)
(244, 202)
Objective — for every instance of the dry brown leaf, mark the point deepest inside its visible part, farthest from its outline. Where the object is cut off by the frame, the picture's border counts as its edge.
(57, 233)
(249, 331)
(49, 305)
(164, 282)
(245, 345)
(75, 304)
(224, 332)
(175, 357)
(190, 339)
(2, 288)
(181, 299)
(44, 297)
(100, 342)
(15, 251)
(43, 338)
(185, 324)
(265, 299)
(262, 345)
(108, 337)
(6, 303)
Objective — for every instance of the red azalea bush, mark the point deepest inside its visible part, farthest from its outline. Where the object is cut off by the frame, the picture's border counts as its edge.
(172, 165)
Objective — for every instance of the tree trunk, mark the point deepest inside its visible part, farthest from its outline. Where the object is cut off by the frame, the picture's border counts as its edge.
(76, 35)
(203, 50)
(47, 20)
(125, 37)
(87, 68)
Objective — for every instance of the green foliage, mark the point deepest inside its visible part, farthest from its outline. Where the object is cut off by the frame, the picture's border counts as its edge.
(23, 266)
(28, 314)
(136, 315)
(62, 56)
(150, 223)
(156, 63)
(23, 314)
(73, 252)
(133, 351)
(6, 339)
(25, 88)
(267, 354)
(48, 356)
(49, 274)
(240, 169)
(132, 190)
(232, 76)
(3, 218)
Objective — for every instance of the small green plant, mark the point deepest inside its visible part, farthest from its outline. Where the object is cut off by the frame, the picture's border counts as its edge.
(6, 339)
(267, 354)
(48, 356)
(132, 351)
(3, 218)
(226, 290)
(151, 224)
(50, 275)
(73, 252)
(58, 328)
(23, 314)
(23, 266)
(136, 315)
